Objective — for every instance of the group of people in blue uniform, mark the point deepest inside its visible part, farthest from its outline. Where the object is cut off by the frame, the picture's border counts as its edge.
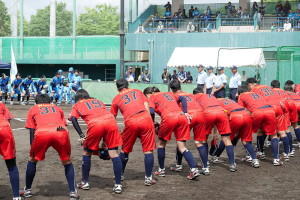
(60, 88)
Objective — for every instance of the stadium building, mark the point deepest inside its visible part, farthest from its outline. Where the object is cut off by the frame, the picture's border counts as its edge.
(228, 30)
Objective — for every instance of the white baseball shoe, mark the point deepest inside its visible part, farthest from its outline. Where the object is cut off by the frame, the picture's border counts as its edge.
(277, 162)
(205, 171)
(83, 185)
(255, 163)
(261, 155)
(176, 168)
(286, 157)
(27, 193)
(160, 172)
(74, 196)
(149, 181)
(117, 188)
(233, 167)
(194, 173)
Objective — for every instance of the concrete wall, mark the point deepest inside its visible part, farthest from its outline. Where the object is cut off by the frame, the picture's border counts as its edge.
(164, 44)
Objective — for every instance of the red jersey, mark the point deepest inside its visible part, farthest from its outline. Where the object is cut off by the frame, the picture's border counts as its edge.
(297, 88)
(293, 96)
(207, 101)
(192, 104)
(251, 101)
(129, 102)
(90, 110)
(229, 105)
(5, 115)
(45, 116)
(280, 92)
(164, 103)
(268, 94)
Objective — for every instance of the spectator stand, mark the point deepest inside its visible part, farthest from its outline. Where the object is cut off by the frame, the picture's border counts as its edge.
(277, 24)
(210, 17)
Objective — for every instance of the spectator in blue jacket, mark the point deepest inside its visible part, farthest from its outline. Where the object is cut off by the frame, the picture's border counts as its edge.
(196, 13)
(4, 80)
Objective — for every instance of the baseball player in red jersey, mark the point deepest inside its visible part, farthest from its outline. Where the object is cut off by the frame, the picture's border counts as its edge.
(291, 115)
(101, 125)
(215, 116)
(297, 88)
(241, 128)
(173, 119)
(138, 124)
(48, 123)
(264, 119)
(8, 151)
(279, 107)
(295, 97)
(197, 119)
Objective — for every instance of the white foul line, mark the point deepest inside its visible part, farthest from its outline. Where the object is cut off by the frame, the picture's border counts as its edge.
(18, 129)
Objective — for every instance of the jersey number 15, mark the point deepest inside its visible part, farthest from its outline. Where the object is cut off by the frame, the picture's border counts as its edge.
(93, 104)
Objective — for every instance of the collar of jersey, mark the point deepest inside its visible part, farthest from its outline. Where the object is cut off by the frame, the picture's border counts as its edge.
(125, 90)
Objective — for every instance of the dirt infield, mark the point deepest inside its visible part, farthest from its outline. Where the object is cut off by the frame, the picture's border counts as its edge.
(267, 182)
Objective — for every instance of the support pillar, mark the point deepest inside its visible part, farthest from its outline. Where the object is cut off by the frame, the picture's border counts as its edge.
(130, 11)
(21, 29)
(14, 19)
(74, 28)
(122, 37)
(52, 18)
(176, 4)
(137, 8)
(245, 4)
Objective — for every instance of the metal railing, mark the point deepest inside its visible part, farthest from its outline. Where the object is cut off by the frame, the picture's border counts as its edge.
(209, 24)
(278, 24)
(171, 25)
(237, 22)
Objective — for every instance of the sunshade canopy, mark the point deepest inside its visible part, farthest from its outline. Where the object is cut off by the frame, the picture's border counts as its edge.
(216, 57)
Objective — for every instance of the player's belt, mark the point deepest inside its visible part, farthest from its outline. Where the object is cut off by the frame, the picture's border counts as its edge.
(213, 106)
(238, 109)
(266, 106)
(139, 112)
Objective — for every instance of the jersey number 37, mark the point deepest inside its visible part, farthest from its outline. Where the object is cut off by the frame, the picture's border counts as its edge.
(131, 96)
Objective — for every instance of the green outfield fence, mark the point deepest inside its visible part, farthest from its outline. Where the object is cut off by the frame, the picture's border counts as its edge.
(105, 91)
(58, 50)
(288, 63)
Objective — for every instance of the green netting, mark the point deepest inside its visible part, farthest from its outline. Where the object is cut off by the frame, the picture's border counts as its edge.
(55, 50)
(288, 63)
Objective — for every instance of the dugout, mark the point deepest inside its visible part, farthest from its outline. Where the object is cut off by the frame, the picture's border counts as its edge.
(103, 72)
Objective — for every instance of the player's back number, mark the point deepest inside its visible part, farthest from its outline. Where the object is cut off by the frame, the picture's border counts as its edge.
(47, 109)
(93, 104)
(129, 97)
